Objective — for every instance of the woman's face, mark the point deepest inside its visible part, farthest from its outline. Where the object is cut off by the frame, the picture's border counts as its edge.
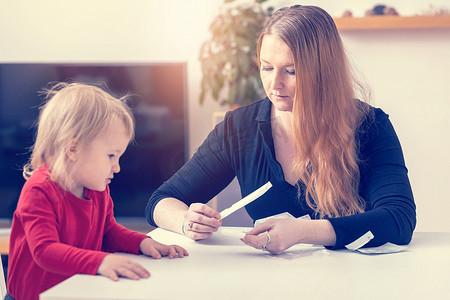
(277, 72)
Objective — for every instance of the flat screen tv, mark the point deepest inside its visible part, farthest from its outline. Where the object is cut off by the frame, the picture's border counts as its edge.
(158, 100)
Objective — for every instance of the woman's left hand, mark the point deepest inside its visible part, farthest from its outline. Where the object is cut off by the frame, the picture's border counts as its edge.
(275, 235)
(155, 249)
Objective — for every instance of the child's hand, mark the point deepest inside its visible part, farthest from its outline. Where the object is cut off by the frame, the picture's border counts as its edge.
(154, 249)
(114, 266)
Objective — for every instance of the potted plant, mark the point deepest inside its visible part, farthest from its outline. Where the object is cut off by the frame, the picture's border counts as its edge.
(228, 58)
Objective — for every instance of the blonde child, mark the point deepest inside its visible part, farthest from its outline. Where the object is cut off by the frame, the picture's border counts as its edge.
(64, 222)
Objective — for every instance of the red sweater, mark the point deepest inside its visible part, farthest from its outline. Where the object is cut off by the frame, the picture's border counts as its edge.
(55, 235)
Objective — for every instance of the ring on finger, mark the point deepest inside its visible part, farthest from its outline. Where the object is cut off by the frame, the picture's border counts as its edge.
(268, 241)
(190, 225)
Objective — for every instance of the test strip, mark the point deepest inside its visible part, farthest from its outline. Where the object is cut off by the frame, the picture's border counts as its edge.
(361, 241)
(246, 200)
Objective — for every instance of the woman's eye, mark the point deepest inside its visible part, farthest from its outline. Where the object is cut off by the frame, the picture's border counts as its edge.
(291, 72)
(111, 155)
(263, 68)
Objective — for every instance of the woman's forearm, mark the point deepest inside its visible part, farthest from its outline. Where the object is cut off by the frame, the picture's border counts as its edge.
(318, 232)
(169, 214)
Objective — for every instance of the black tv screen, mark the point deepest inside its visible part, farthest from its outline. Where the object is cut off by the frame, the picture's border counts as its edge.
(158, 100)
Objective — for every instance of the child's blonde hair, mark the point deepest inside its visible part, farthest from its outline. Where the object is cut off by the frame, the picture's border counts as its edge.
(77, 112)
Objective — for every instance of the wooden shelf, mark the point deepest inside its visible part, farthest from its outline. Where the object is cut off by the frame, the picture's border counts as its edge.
(392, 22)
(4, 244)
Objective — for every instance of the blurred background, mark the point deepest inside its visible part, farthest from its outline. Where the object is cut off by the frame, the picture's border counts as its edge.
(407, 70)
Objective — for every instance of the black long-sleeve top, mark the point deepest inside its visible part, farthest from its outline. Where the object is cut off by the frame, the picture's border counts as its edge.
(242, 146)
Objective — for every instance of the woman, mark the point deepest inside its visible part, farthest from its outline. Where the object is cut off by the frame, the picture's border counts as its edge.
(327, 155)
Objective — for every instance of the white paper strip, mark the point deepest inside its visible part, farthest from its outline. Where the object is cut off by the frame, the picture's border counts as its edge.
(383, 249)
(246, 200)
(364, 239)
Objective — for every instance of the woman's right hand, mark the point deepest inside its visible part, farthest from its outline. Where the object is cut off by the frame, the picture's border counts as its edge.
(200, 221)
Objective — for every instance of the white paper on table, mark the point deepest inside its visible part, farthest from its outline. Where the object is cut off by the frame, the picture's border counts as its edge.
(233, 232)
(246, 200)
(383, 249)
(284, 215)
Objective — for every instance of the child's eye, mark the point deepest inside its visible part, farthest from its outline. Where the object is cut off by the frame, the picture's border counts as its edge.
(111, 155)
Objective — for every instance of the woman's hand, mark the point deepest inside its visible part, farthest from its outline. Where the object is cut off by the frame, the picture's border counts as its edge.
(200, 221)
(274, 235)
(277, 235)
(156, 250)
(113, 266)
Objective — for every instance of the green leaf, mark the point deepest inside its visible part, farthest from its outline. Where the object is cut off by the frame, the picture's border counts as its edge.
(232, 43)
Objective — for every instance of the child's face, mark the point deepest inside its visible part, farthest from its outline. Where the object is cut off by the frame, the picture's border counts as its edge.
(99, 159)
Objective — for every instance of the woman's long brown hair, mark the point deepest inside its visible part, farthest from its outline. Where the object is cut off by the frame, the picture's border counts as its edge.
(325, 113)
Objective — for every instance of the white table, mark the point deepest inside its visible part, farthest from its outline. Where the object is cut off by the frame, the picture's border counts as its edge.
(222, 267)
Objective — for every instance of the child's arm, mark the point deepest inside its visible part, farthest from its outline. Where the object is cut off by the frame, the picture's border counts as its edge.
(121, 239)
(155, 249)
(117, 238)
(114, 266)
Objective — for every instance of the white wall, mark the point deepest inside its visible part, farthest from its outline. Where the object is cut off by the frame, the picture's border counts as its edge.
(408, 72)
(407, 69)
